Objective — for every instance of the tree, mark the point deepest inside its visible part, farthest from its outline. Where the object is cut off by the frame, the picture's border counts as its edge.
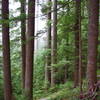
(54, 43)
(77, 32)
(48, 59)
(30, 50)
(93, 41)
(80, 46)
(6, 51)
(23, 38)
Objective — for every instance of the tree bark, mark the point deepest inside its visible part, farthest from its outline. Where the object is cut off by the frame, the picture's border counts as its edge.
(23, 39)
(93, 41)
(77, 31)
(48, 61)
(80, 48)
(6, 51)
(54, 44)
(30, 50)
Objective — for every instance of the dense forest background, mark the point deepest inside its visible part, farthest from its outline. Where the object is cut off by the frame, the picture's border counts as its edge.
(49, 50)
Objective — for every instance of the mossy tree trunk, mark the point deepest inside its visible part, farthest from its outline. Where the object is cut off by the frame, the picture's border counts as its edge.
(54, 44)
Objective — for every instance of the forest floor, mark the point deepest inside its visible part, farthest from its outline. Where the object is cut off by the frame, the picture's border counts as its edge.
(66, 91)
(62, 92)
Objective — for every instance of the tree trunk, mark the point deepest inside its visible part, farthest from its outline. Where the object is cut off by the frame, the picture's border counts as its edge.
(23, 39)
(80, 48)
(30, 50)
(48, 61)
(77, 31)
(54, 44)
(6, 51)
(93, 41)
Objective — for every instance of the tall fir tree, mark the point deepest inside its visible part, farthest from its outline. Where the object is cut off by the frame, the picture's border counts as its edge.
(93, 32)
(23, 39)
(6, 51)
(30, 50)
(48, 58)
(54, 44)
